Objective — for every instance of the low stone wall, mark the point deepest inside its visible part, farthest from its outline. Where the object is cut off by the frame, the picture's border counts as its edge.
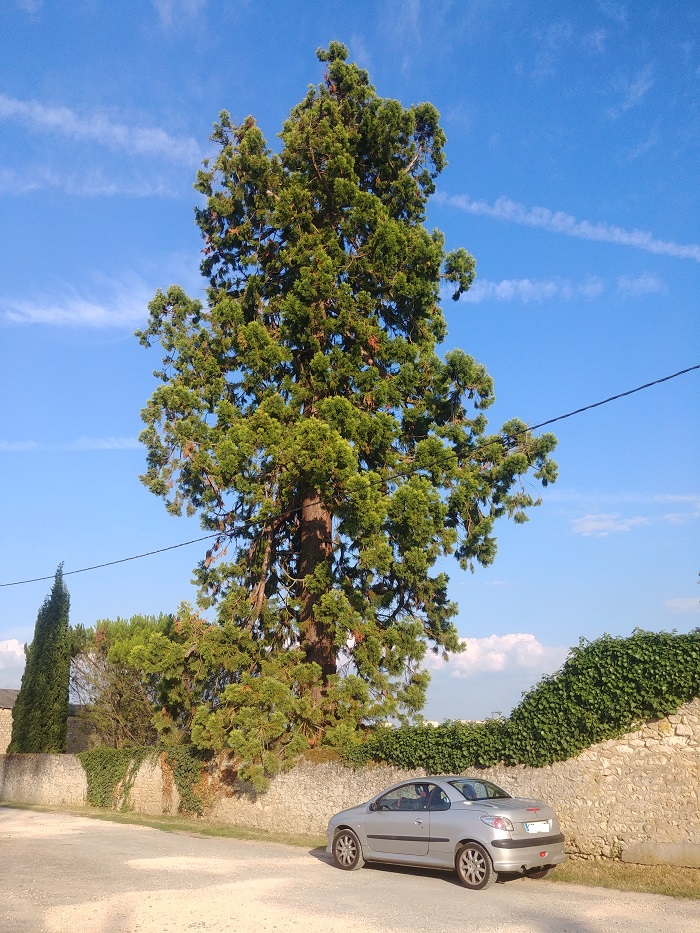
(617, 798)
(43, 779)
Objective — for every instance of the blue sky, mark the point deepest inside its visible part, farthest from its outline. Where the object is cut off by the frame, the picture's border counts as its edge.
(573, 146)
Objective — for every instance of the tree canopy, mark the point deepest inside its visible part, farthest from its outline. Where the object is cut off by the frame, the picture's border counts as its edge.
(40, 713)
(117, 699)
(303, 410)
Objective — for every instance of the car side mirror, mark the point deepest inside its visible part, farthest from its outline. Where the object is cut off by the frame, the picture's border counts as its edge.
(373, 806)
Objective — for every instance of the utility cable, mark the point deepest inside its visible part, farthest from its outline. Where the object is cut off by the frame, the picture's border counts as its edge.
(502, 439)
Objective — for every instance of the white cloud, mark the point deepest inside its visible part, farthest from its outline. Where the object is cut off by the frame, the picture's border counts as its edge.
(500, 653)
(124, 305)
(560, 222)
(616, 11)
(171, 12)
(12, 182)
(647, 144)
(18, 446)
(595, 41)
(683, 605)
(633, 90)
(82, 443)
(105, 443)
(89, 184)
(680, 518)
(101, 129)
(636, 286)
(691, 500)
(553, 42)
(11, 663)
(528, 290)
(602, 524)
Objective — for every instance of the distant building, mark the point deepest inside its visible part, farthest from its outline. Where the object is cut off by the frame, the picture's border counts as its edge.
(77, 741)
(7, 701)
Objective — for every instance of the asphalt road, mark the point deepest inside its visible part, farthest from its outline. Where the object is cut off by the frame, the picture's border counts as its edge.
(61, 873)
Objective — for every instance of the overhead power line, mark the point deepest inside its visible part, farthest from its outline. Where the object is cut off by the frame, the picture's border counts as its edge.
(534, 427)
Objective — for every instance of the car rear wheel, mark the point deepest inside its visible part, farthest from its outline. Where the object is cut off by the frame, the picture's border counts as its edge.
(347, 851)
(474, 867)
(538, 873)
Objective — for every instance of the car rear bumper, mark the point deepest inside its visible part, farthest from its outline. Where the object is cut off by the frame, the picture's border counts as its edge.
(523, 854)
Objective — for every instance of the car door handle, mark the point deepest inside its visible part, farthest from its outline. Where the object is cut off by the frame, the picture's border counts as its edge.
(419, 822)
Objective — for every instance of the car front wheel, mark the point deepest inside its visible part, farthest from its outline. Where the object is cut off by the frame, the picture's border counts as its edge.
(474, 866)
(347, 851)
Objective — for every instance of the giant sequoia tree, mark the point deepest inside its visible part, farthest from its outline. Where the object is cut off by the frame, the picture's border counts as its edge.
(40, 713)
(303, 410)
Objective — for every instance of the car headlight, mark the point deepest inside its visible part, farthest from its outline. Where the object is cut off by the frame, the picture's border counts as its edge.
(498, 822)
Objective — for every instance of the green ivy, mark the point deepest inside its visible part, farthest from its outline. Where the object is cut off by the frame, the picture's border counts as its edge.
(605, 688)
(111, 773)
(187, 763)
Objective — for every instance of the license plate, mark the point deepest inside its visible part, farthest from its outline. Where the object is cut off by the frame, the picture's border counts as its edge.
(542, 826)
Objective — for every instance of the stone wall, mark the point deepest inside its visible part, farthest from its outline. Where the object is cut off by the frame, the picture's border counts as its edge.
(43, 779)
(5, 729)
(612, 800)
(617, 795)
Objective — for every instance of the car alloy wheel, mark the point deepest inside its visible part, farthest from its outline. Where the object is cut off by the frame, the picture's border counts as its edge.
(347, 851)
(474, 867)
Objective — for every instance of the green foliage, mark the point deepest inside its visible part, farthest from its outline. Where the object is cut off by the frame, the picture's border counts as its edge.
(117, 699)
(187, 763)
(304, 413)
(605, 688)
(40, 713)
(220, 690)
(111, 773)
(445, 749)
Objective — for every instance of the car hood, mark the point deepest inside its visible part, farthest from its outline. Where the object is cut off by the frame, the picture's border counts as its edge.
(352, 813)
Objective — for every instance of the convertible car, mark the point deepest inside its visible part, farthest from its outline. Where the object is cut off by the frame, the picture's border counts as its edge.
(463, 824)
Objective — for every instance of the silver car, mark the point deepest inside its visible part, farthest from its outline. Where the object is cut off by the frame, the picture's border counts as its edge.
(464, 824)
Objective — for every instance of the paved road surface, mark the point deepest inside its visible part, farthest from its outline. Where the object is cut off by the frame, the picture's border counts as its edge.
(69, 874)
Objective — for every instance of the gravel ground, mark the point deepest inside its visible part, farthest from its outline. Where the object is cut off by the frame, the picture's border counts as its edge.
(62, 873)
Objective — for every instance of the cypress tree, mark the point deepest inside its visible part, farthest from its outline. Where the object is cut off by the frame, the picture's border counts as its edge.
(40, 713)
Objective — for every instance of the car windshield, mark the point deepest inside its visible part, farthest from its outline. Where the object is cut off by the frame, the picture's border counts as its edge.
(472, 789)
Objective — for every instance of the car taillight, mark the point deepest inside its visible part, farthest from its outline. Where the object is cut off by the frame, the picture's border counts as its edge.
(498, 822)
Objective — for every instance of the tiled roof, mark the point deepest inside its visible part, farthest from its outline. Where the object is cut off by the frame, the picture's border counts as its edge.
(8, 697)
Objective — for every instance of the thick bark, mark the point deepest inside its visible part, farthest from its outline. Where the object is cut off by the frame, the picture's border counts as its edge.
(315, 548)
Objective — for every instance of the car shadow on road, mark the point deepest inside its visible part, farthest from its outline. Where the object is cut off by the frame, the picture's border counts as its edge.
(444, 875)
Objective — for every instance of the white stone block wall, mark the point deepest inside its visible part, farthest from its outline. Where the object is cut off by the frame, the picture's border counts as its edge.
(616, 795)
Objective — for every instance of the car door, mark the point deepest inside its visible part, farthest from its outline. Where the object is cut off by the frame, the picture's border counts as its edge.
(443, 827)
(399, 822)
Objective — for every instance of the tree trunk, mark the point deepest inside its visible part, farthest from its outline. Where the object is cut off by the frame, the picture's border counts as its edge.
(316, 547)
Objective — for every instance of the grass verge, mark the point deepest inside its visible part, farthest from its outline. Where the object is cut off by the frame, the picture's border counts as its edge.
(623, 876)
(669, 880)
